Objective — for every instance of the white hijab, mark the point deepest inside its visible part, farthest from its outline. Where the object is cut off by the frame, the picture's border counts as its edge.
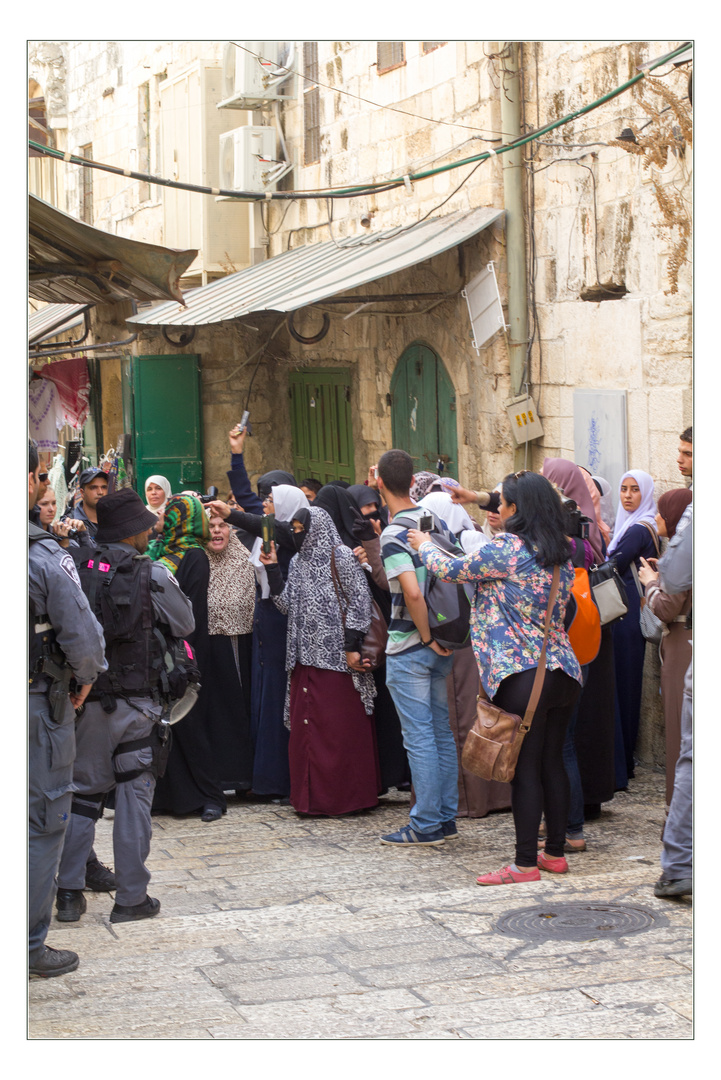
(287, 501)
(165, 485)
(646, 508)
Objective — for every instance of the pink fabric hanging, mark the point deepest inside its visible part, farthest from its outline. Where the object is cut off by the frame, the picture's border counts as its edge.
(72, 380)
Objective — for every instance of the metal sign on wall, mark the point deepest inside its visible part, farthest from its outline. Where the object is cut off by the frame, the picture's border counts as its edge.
(484, 307)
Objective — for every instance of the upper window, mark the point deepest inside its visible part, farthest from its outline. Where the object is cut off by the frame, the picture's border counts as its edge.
(390, 54)
(311, 104)
(429, 46)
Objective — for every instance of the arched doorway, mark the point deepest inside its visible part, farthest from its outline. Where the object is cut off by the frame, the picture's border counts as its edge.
(423, 411)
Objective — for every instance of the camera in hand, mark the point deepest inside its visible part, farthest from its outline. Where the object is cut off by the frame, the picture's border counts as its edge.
(576, 523)
(212, 494)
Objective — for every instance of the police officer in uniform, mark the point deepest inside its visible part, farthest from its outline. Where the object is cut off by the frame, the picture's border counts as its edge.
(119, 735)
(66, 641)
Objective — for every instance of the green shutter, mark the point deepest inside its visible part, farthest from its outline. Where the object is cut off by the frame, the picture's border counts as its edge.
(321, 427)
(163, 403)
(423, 411)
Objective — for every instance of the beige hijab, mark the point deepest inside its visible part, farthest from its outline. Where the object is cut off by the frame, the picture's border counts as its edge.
(231, 590)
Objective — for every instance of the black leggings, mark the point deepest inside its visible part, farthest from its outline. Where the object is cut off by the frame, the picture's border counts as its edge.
(540, 784)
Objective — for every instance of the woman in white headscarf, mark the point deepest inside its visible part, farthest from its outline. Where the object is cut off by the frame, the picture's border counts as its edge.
(157, 493)
(634, 538)
(476, 797)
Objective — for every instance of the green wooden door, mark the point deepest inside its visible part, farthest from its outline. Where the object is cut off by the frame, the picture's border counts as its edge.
(162, 410)
(320, 423)
(423, 411)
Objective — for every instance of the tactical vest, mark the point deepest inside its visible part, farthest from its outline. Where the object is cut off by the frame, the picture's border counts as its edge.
(42, 643)
(117, 582)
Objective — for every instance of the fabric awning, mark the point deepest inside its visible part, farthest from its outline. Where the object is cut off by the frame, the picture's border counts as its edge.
(315, 272)
(74, 262)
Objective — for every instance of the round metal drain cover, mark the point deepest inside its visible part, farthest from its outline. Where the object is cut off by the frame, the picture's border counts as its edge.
(578, 922)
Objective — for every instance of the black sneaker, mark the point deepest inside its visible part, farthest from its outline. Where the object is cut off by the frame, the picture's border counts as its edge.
(71, 904)
(99, 878)
(53, 962)
(133, 912)
(677, 887)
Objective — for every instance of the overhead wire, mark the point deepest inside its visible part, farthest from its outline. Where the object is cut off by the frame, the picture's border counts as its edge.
(356, 190)
(367, 101)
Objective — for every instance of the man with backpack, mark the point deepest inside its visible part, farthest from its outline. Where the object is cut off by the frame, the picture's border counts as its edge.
(417, 667)
(120, 738)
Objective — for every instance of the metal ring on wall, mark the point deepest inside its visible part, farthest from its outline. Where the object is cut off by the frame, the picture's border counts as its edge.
(186, 336)
(308, 340)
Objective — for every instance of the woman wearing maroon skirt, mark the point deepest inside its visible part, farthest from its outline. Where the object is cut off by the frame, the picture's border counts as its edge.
(329, 703)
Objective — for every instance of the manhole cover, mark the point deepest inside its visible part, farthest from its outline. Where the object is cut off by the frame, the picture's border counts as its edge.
(578, 922)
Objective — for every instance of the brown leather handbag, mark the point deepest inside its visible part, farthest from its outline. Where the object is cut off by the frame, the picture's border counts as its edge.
(376, 638)
(494, 742)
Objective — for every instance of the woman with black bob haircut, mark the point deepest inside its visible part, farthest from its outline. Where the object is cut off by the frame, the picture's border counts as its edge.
(512, 575)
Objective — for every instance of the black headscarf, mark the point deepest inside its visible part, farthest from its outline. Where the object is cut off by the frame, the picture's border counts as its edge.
(339, 504)
(337, 483)
(363, 495)
(270, 479)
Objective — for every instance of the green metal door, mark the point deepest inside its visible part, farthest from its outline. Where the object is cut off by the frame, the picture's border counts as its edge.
(320, 424)
(423, 411)
(162, 410)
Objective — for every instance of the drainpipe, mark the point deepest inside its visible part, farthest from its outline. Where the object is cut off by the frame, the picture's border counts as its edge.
(513, 177)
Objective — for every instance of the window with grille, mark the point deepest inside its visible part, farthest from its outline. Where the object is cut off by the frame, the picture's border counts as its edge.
(86, 186)
(429, 46)
(390, 54)
(311, 104)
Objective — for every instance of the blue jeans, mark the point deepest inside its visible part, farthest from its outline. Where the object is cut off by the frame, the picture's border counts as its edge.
(677, 854)
(417, 682)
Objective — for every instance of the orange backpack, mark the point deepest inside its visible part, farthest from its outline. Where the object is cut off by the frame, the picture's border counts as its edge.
(584, 633)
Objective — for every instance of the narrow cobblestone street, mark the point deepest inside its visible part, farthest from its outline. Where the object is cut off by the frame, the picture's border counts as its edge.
(279, 927)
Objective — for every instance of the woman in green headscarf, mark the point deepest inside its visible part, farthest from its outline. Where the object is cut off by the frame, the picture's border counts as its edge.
(189, 784)
(185, 527)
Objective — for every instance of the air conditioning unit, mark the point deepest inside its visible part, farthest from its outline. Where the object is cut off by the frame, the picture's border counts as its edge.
(248, 160)
(257, 73)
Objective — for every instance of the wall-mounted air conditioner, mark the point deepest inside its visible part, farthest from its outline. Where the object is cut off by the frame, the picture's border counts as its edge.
(257, 73)
(190, 129)
(248, 160)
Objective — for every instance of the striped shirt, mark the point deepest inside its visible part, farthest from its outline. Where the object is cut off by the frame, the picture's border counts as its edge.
(398, 557)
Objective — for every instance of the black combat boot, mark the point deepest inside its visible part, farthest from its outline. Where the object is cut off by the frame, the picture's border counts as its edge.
(53, 962)
(70, 904)
(99, 878)
(132, 912)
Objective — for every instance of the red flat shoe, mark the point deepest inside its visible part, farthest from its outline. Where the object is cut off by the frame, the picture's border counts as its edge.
(553, 864)
(506, 876)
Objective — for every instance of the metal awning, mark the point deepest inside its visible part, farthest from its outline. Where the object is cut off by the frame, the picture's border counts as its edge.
(308, 274)
(74, 262)
(54, 319)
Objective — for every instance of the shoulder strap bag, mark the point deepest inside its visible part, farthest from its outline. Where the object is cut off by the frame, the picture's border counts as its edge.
(494, 742)
(376, 638)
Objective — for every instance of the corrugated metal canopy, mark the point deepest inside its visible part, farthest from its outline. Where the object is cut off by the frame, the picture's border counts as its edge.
(54, 319)
(308, 274)
(72, 261)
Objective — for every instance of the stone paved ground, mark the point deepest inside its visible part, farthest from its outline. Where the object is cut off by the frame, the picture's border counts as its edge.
(279, 927)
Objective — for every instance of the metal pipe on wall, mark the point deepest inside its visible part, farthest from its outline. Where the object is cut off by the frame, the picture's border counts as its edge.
(511, 124)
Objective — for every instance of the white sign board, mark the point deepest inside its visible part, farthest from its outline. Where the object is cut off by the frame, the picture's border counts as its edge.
(599, 434)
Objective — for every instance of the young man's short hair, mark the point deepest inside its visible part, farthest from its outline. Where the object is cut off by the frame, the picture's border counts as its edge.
(395, 469)
(33, 456)
(311, 484)
(687, 435)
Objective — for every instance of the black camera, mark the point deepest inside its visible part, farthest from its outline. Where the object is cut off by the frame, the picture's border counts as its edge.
(576, 523)
(425, 523)
(211, 496)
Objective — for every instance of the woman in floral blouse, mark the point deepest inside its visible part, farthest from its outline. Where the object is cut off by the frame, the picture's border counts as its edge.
(512, 576)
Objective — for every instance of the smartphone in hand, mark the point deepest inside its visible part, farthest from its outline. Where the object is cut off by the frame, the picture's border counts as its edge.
(268, 531)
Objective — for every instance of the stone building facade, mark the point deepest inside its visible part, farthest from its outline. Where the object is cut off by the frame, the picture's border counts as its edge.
(607, 225)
